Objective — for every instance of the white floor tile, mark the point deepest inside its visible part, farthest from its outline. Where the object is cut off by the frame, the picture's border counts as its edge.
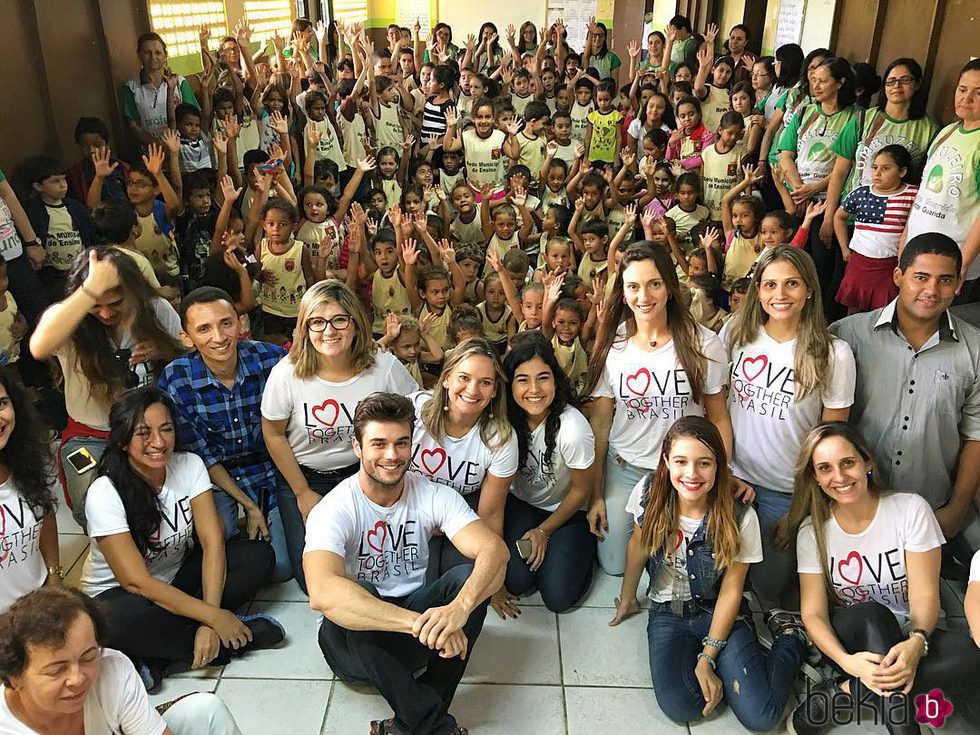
(522, 651)
(352, 709)
(605, 589)
(298, 658)
(593, 654)
(600, 711)
(264, 706)
(207, 673)
(286, 592)
(487, 709)
(72, 547)
(177, 687)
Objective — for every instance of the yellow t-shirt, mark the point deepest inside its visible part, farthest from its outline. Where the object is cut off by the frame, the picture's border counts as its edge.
(494, 331)
(720, 173)
(520, 104)
(439, 331)
(589, 269)
(282, 297)
(158, 248)
(574, 362)
(311, 233)
(415, 371)
(63, 242)
(143, 264)
(500, 247)
(9, 347)
(329, 146)
(604, 143)
(742, 253)
(532, 153)
(392, 190)
(716, 104)
(484, 157)
(580, 122)
(467, 232)
(388, 128)
(388, 295)
(353, 131)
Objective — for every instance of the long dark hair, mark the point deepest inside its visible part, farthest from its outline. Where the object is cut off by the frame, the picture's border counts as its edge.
(822, 53)
(790, 58)
(143, 514)
(524, 347)
(95, 353)
(26, 454)
(684, 329)
(495, 47)
(917, 105)
(842, 71)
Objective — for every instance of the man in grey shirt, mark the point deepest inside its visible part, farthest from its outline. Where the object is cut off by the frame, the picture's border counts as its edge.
(917, 400)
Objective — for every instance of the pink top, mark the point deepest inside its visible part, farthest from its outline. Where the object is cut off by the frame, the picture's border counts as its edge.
(688, 149)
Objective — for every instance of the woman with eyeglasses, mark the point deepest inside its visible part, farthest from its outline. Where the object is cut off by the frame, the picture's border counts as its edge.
(309, 402)
(109, 334)
(899, 119)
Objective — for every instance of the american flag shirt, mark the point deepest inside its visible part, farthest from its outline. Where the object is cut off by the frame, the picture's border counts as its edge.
(878, 219)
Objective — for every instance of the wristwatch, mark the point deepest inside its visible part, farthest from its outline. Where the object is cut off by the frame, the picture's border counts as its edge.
(920, 633)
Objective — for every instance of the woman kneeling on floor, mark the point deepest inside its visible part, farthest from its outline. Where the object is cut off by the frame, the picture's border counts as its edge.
(697, 543)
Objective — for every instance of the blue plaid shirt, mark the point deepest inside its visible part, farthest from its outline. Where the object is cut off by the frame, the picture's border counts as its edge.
(224, 426)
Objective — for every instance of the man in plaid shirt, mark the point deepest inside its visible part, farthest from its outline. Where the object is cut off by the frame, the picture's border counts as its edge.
(217, 391)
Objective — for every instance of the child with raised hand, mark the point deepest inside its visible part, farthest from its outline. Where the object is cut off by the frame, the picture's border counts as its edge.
(553, 176)
(562, 321)
(558, 258)
(323, 144)
(466, 225)
(602, 138)
(351, 115)
(482, 145)
(723, 162)
(591, 240)
(687, 212)
(691, 137)
(501, 232)
(556, 221)
(525, 302)
(741, 215)
(581, 87)
(531, 140)
(389, 288)
(91, 134)
(409, 340)
(437, 291)
(392, 169)
(592, 187)
(779, 227)
(498, 320)
(471, 260)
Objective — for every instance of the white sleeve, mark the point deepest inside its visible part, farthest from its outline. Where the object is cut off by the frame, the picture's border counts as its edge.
(634, 506)
(713, 349)
(504, 460)
(124, 699)
(329, 525)
(104, 509)
(922, 530)
(167, 317)
(807, 558)
(975, 568)
(450, 511)
(277, 398)
(750, 538)
(576, 442)
(839, 391)
(197, 478)
(399, 380)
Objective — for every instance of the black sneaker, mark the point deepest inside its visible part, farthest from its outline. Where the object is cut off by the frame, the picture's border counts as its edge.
(786, 622)
(814, 715)
(391, 726)
(266, 631)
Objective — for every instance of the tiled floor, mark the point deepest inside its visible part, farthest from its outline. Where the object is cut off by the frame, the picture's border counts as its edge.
(544, 674)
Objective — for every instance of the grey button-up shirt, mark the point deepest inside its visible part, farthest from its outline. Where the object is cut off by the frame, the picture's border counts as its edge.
(915, 408)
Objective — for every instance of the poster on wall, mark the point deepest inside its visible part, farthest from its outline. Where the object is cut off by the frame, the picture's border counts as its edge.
(575, 14)
(789, 25)
(408, 11)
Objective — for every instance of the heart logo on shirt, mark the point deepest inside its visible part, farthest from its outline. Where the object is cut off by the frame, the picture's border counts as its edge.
(380, 533)
(851, 568)
(761, 361)
(322, 411)
(678, 537)
(433, 459)
(634, 381)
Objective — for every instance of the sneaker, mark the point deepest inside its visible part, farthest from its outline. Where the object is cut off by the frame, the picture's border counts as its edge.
(813, 715)
(786, 622)
(391, 726)
(151, 676)
(266, 631)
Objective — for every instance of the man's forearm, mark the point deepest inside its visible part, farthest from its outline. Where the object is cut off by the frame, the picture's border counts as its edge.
(350, 606)
(220, 477)
(485, 579)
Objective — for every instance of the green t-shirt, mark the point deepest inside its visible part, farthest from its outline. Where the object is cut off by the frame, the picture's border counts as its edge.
(147, 105)
(868, 133)
(605, 64)
(792, 102)
(811, 136)
(604, 143)
(678, 52)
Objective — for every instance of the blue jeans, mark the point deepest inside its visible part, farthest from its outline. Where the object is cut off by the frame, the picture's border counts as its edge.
(228, 510)
(566, 572)
(76, 484)
(620, 478)
(755, 685)
(772, 576)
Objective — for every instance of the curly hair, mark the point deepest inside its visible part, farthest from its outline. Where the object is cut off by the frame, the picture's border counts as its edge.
(26, 453)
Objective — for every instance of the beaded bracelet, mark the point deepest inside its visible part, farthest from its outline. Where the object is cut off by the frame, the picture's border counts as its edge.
(709, 658)
(709, 641)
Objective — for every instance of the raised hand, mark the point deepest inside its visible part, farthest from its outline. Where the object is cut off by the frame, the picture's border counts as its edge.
(580, 204)
(633, 49)
(511, 33)
(313, 136)
(579, 151)
(279, 123)
(630, 214)
(100, 159)
(710, 33)
(232, 127)
(628, 158)
(512, 127)
(320, 31)
(752, 174)
(229, 192)
(519, 196)
(357, 213)
(408, 143)
(392, 327)
(494, 260)
(451, 117)
(410, 253)
(327, 243)
(367, 164)
(705, 54)
(395, 216)
(711, 238)
(204, 33)
(171, 140)
(154, 161)
(244, 34)
(447, 251)
(229, 257)
(551, 150)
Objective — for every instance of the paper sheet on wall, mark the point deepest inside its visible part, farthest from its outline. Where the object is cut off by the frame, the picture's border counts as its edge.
(789, 24)
(408, 11)
(576, 15)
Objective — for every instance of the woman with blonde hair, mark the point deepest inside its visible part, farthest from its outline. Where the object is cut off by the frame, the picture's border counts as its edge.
(463, 439)
(309, 402)
(788, 373)
(697, 543)
(869, 589)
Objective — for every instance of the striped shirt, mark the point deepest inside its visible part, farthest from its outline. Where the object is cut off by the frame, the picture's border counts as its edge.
(879, 219)
(195, 154)
(434, 120)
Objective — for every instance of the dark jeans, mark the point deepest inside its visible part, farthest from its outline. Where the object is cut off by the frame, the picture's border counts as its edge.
(830, 270)
(953, 663)
(145, 631)
(756, 686)
(388, 660)
(292, 520)
(566, 572)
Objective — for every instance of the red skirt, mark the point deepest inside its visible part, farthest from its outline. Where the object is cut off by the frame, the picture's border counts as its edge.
(868, 283)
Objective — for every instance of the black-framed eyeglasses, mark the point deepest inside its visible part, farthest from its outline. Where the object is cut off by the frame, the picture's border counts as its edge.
(895, 81)
(339, 323)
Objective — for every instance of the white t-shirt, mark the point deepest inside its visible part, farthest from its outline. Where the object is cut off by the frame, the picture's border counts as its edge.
(768, 422)
(462, 463)
(637, 131)
(651, 391)
(975, 568)
(662, 588)
(187, 477)
(388, 547)
(116, 703)
(321, 413)
(546, 486)
(22, 568)
(870, 566)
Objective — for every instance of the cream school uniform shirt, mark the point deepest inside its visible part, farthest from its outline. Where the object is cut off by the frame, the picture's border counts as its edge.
(386, 546)
(651, 391)
(463, 463)
(22, 568)
(187, 477)
(769, 423)
(870, 566)
(116, 703)
(320, 413)
(543, 483)
(484, 157)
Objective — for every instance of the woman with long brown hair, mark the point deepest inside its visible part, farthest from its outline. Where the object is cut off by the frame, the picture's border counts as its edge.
(110, 333)
(697, 543)
(651, 365)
